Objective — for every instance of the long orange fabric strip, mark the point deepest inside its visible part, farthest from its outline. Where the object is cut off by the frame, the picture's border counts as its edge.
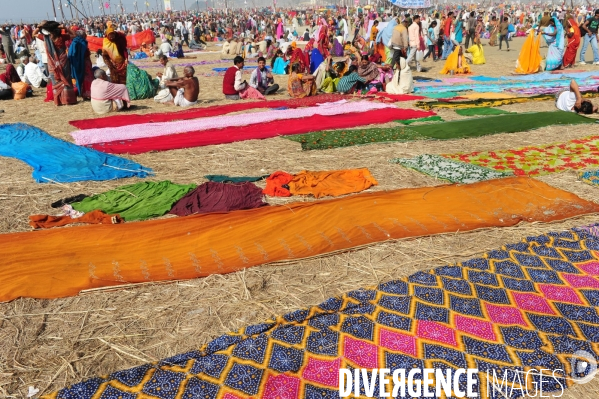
(59, 263)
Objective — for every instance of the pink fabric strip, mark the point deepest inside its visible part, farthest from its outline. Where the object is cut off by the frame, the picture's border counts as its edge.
(103, 135)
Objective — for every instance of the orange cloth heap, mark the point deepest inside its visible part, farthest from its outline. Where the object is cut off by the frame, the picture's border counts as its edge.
(331, 183)
(93, 217)
(529, 60)
(319, 184)
(61, 262)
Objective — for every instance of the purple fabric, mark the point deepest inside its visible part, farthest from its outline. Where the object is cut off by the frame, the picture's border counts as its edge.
(337, 49)
(219, 197)
(549, 90)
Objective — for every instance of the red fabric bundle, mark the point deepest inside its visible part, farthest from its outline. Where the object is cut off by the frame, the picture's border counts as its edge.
(274, 184)
(133, 41)
(126, 120)
(257, 131)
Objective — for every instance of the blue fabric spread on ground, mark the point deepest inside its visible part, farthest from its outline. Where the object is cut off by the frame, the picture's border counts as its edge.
(55, 160)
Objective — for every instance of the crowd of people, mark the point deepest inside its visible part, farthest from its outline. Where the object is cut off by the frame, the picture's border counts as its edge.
(347, 53)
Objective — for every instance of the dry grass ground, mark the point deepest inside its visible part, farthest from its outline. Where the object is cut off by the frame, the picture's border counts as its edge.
(53, 343)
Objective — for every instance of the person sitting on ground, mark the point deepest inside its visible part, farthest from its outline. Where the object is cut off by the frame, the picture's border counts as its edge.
(476, 50)
(307, 35)
(456, 62)
(197, 44)
(164, 94)
(185, 90)
(165, 48)
(177, 51)
(21, 68)
(233, 87)
(5, 91)
(106, 96)
(300, 85)
(571, 101)
(262, 80)
(351, 81)
(33, 73)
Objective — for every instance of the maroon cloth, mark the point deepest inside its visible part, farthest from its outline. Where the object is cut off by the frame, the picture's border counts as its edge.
(219, 197)
(229, 82)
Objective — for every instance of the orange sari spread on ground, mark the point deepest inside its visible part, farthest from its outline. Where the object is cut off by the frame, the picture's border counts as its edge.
(61, 262)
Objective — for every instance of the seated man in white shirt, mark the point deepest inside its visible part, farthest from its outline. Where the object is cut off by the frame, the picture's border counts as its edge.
(571, 101)
(34, 74)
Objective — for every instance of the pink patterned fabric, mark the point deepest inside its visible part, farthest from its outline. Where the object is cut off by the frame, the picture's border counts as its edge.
(532, 302)
(436, 332)
(323, 372)
(398, 342)
(281, 387)
(103, 135)
(251, 93)
(476, 327)
(362, 353)
(577, 281)
(505, 315)
(560, 294)
(591, 268)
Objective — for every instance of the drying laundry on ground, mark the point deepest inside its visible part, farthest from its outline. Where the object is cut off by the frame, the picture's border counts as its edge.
(85, 257)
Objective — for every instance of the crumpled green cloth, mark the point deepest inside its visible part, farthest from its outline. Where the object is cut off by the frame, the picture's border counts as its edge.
(137, 201)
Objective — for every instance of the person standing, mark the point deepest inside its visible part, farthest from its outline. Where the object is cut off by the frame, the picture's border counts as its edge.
(399, 42)
(414, 41)
(470, 28)
(503, 31)
(7, 43)
(590, 28)
(447, 43)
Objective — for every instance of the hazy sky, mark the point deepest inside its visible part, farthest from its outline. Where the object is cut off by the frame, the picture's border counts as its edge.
(35, 10)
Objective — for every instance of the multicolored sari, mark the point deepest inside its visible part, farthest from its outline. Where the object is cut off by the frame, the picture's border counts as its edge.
(573, 44)
(60, 70)
(115, 56)
(555, 53)
(298, 88)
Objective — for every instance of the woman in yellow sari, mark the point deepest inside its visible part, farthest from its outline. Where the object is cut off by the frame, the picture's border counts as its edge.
(456, 62)
(114, 53)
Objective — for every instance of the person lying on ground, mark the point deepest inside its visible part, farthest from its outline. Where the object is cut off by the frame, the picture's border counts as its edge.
(571, 101)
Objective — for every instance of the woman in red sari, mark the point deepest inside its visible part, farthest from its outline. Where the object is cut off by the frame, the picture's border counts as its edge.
(573, 35)
(59, 66)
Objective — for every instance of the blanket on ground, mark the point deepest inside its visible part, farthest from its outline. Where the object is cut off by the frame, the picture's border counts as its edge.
(538, 160)
(55, 160)
(529, 305)
(61, 262)
(439, 131)
(447, 169)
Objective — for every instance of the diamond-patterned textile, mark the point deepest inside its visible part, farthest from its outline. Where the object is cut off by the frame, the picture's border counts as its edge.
(525, 305)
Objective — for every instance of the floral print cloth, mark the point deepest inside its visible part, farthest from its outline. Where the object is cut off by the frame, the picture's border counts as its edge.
(590, 177)
(536, 161)
(447, 169)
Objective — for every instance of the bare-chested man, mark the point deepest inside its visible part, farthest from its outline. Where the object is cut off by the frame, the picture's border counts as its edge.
(184, 90)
